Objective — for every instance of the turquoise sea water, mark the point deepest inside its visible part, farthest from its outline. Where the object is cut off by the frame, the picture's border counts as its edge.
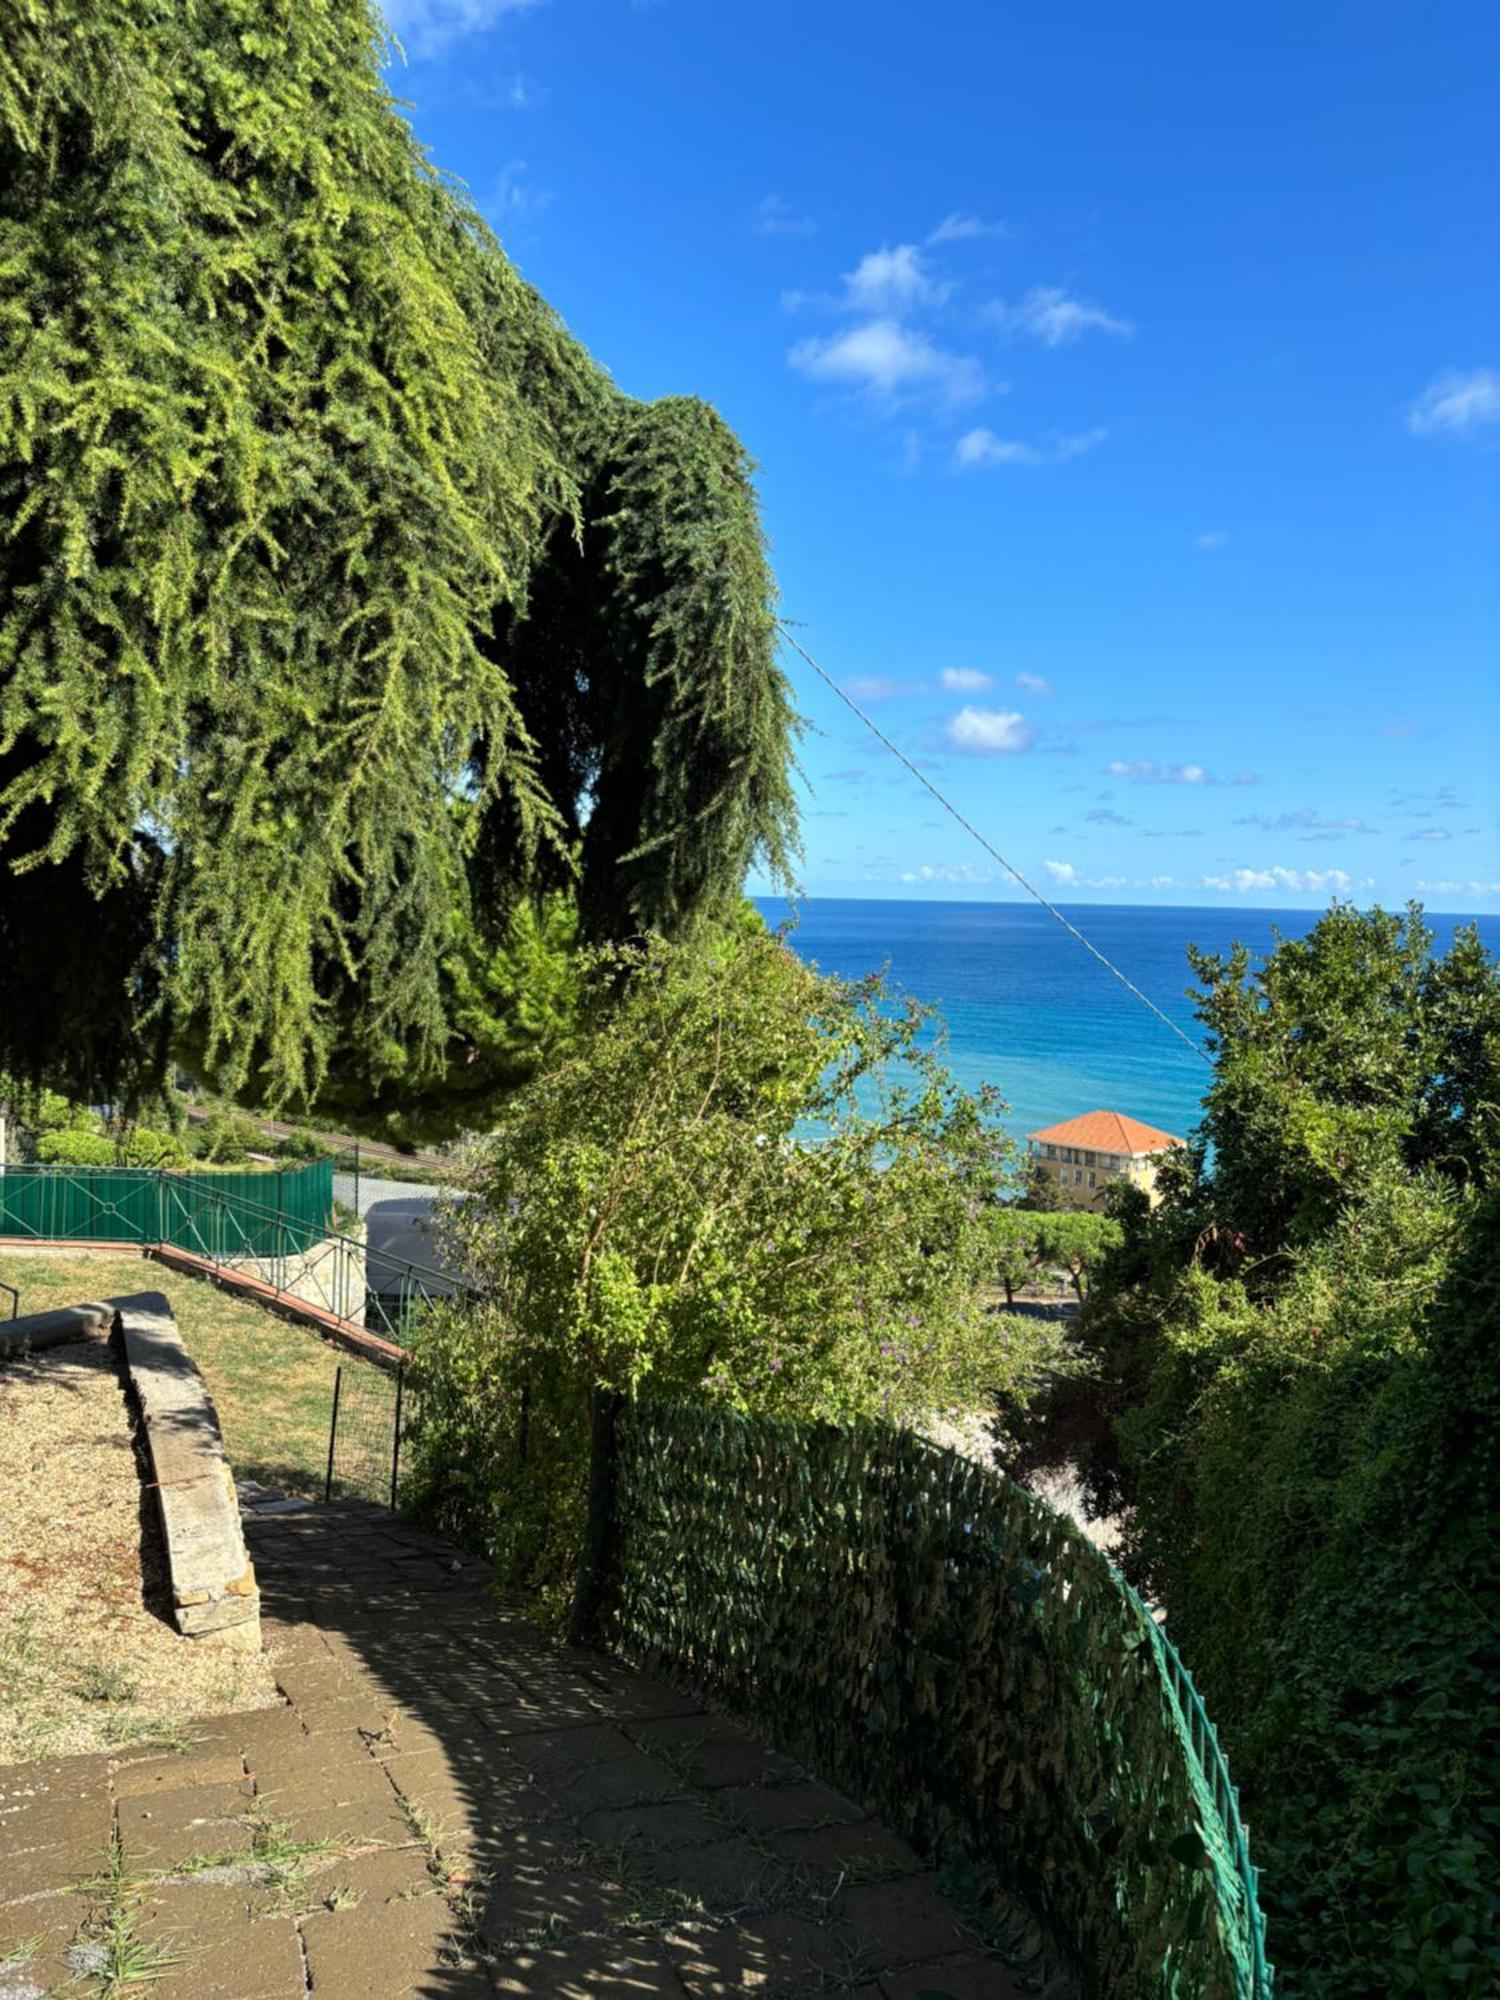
(1028, 1010)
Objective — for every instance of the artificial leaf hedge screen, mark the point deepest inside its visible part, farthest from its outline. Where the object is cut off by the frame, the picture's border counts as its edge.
(938, 1641)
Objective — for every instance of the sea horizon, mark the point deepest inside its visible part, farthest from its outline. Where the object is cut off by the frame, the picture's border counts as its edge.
(1025, 1008)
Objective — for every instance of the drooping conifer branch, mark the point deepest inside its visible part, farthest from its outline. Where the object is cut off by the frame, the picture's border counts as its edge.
(343, 599)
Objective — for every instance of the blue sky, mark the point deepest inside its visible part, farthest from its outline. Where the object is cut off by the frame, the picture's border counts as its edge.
(1125, 384)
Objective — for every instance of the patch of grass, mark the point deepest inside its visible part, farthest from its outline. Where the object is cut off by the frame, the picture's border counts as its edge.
(101, 1680)
(271, 1381)
(277, 1861)
(109, 1949)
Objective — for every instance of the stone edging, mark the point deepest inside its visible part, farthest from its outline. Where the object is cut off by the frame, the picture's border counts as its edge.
(35, 1331)
(214, 1593)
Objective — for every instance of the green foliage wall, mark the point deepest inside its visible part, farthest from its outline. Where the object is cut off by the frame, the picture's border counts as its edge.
(935, 1640)
(336, 576)
(1304, 1347)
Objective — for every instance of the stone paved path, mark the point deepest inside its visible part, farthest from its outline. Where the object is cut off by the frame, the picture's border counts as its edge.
(446, 1805)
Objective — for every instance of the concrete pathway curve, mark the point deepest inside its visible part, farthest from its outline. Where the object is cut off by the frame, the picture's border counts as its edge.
(446, 1805)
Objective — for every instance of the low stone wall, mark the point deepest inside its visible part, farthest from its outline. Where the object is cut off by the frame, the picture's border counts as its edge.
(214, 1593)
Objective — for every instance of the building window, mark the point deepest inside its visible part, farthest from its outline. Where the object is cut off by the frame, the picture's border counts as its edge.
(1091, 1177)
(1078, 1177)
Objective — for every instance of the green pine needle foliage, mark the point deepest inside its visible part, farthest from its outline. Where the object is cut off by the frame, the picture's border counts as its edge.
(343, 599)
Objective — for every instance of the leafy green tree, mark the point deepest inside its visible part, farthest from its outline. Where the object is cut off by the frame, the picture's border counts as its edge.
(692, 1200)
(344, 601)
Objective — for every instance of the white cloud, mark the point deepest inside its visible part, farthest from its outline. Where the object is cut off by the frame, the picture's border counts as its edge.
(1214, 539)
(1061, 872)
(427, 27)
(775, 216)
(965, 680)
(1145, 772)
(1459, 404)
(1300, 881)
(893, 281)
(1034, 684)
(887, 360)
(980, 447)
(1074, 443)
(1049, 315)
(963, 228)
(1308, 822)
(988, 732)
(927, 873)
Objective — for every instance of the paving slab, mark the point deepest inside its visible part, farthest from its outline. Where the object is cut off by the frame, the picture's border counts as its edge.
(500, 1818)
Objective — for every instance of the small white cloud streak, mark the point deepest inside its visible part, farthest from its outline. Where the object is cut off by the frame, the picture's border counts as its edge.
(1034, 684)
(965, 680)
(1463, 404)
(1061, 872)
(429, 27)
(775, 216)
(1214, 539)
(964, 228)
(1146, 772)
(981, 447)
(988, 732)
(1047, 314)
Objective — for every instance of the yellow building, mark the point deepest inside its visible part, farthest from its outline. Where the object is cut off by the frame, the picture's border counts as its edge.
(1083, 1155)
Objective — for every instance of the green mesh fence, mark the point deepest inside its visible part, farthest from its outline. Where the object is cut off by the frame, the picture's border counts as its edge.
(367, 1422)
(212, 1214)
(936, 1640)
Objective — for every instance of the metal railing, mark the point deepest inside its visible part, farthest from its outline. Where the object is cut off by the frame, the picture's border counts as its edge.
(300, 1260)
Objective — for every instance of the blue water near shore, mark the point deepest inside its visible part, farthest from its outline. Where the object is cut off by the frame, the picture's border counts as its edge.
(1028, 1010)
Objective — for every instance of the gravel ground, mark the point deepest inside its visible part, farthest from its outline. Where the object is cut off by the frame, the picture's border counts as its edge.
(973, 1436)
(87, 1659)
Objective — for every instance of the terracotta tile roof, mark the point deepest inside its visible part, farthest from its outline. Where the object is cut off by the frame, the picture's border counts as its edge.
(1108, 1132)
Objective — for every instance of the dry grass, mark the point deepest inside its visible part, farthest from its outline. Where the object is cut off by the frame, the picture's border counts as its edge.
(271, 1382)
(88, 1659)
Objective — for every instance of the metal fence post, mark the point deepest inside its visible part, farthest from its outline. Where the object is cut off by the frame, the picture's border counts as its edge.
(396, 1440)
(333, 1431)
(598, 1540)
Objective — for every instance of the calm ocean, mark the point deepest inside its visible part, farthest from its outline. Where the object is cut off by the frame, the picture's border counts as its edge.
(1028, 1009)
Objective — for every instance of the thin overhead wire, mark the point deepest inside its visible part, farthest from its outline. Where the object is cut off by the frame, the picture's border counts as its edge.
(990, 849)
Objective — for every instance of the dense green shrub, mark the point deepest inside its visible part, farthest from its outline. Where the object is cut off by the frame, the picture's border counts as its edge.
(227, 1138)
(1304, 1345)
(141, 1146)
(302, 1146)
(76, 1146)
(648, 1215)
